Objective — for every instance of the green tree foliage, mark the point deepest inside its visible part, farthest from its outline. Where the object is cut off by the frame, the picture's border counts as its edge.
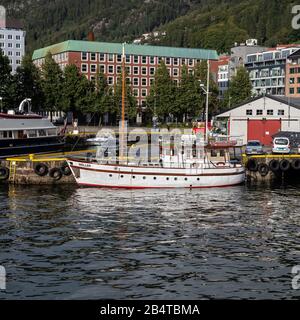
(6, 83)
(27, 83)
(162, 97)
(52, 84)
(240, 88)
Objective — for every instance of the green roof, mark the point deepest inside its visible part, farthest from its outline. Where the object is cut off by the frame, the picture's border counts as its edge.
(132, 49)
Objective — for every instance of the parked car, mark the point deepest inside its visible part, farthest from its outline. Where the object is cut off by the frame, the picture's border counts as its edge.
(281, 145)
(254, 147)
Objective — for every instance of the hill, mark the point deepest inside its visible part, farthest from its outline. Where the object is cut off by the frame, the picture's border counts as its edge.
(190, 23)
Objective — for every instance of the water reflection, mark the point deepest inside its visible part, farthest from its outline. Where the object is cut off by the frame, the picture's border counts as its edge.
(67, 242)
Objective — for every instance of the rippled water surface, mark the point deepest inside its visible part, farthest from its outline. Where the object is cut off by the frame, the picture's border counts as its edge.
(70, 243)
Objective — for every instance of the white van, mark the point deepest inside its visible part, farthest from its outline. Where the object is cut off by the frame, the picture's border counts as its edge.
(281, 145)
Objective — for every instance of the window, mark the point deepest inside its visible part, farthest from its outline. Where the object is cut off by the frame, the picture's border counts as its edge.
(298, 90)
(152, 60)
(292, 70)
(144, 92)
(144, 82)
(93, 78)
(176, 62)
(84, 68)
(292, 80)
(9, 37)
(102, 57)
(136, 59)
(135, 81)
(119, 58)
(151, 81)
(152, 71)
(281, 112)
(182, 61)
(110, 69)
(144, 71)
(168, 61)
(292, 90)
(175, 72)
(18, 37)
(93, 68)
(9, 45)
(144, 59)
(128, 70)
(110, 57)
(128, 58)
(93, 56)
(270, 112)
(298, 80)
(18, 45)
(110, 80)
(84, 56)
(259, 112)
(135, 92)
(1, 45)
(119, 69)
(136, 70)
(191, 62)
(102, 68)
(9, 53)
(1, 36)
(18, 62)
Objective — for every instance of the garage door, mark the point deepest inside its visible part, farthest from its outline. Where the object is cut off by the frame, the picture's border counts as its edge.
(263, 130)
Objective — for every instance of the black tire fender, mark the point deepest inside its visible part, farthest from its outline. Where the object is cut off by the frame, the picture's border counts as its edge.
(285, 165)
(41, 169)
(56, 174)
(274, 165)
(296, 164)
(65, 169)
(263, 169)
(4, 173)
(252, 165)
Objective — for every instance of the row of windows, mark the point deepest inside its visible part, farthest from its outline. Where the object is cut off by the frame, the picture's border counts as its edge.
(102, 57)
(155, 178)
(260, 112)
(10, 36)
(292, 90)
(12, 53)
(294, 70)
(110, 69)
(10, 45)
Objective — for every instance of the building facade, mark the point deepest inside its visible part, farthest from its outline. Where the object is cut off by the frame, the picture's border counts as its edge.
(263, 117)
(223, 76)
(292, 84)
(141, 61)
(267, 70)
(12, 42)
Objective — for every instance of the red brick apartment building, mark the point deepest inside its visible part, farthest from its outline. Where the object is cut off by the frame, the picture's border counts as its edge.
(141, 61)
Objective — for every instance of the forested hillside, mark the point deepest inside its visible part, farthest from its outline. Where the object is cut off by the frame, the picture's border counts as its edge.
(191, 23)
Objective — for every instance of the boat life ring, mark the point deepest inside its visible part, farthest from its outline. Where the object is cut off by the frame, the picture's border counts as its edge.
(285, 165)
(4, 173)
(274, 165)
(296, 164)
(252, 165)
(41, 169)
(56, 174)
(263, 169)
(65, 169)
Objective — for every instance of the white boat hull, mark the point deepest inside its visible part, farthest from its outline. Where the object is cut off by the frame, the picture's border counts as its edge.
(91, 174)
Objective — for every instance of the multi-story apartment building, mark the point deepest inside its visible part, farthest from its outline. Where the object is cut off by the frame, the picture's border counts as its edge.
(223, 75)
(292, 84)
(267, 70)
(141, 61)
(12, 41)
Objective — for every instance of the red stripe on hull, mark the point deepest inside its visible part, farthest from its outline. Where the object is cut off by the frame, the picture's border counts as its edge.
(136, 188)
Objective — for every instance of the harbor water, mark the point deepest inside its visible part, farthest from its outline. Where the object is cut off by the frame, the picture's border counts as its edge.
(63, 242)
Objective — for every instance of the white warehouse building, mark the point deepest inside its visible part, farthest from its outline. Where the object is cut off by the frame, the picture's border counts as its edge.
(262, 117)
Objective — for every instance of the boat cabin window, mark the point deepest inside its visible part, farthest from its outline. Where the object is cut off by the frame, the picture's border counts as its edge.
(32, 133)
(52, 132)
(22, 134)
(42, 133)
(6, 134)
(213, 153)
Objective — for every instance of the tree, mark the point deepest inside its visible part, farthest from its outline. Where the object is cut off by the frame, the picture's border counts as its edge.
(6, 83)
(161, 100)
(240, 87)
(27, 82)
(52, 84)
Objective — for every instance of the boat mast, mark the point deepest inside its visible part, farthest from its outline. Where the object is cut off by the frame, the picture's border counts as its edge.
(206, 109)
(122, 136)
